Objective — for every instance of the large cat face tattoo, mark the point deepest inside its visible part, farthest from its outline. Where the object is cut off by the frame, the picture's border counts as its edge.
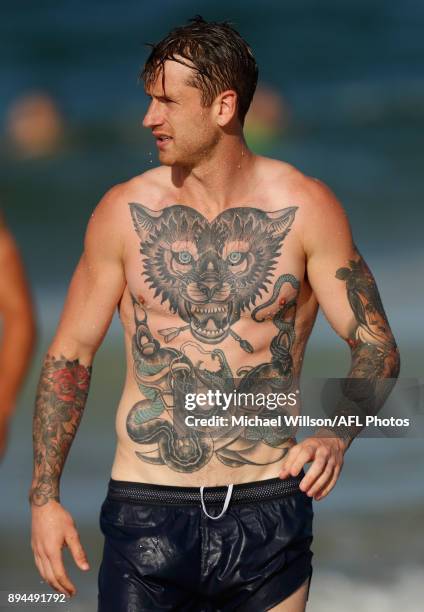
(210, 272)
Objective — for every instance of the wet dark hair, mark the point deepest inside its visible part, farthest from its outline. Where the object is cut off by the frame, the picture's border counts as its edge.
(216, 52)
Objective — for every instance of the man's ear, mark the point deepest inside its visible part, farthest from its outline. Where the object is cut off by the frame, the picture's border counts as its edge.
(226, 107)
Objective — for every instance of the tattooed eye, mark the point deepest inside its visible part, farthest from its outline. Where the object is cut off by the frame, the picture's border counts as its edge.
(184, 257)
(235, 257)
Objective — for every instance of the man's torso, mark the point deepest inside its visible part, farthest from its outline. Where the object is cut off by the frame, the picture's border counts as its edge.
(218, 302)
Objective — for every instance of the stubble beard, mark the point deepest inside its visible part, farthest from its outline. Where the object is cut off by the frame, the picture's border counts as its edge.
(190, 157)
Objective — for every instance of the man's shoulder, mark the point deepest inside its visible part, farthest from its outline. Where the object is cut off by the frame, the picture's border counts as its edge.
(313, 198)
(285, 178)
(319, 214)
(148, 186)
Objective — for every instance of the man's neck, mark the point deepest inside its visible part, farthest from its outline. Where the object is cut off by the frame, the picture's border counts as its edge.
(218, 181)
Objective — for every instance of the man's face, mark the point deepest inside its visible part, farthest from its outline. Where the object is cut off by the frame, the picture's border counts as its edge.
(185, 131)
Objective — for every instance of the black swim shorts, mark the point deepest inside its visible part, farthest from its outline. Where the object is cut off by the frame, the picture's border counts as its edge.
(165, 548)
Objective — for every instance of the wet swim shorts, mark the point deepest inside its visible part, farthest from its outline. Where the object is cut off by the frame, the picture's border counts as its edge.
(163, 552)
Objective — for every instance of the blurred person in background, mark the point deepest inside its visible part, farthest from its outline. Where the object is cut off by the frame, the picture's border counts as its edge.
(267, 119)
(17, 329)
(34, 125)
(216, 261)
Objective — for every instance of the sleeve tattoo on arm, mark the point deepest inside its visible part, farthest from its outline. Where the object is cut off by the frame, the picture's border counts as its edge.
(371, 339)
(375, 356)
(61, 397)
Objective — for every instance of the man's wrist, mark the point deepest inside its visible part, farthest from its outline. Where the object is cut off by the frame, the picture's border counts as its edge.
(343, 436)
(39, 495)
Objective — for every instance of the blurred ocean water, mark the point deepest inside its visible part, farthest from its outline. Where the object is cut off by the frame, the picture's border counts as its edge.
(332, 592)
(351, 77)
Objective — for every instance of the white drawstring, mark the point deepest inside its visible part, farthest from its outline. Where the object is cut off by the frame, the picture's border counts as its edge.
(226, 502)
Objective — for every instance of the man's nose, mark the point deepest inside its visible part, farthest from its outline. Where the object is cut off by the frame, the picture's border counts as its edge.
(152, 118)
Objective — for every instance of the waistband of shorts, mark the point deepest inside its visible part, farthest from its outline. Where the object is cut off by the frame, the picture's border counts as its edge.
(261, 490)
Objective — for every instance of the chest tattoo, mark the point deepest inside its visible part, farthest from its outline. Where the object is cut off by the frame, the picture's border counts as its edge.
(209, 273)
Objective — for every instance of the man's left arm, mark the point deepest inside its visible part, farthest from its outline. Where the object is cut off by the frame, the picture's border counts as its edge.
(347, 293)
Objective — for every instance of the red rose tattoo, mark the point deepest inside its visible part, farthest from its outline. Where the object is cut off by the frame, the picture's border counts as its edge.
(70, 381)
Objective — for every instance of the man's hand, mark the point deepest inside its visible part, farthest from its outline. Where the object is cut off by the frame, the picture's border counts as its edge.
(52, 530)
(326, 454)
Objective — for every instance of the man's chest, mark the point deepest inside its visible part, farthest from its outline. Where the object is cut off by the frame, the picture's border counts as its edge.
(212, 272)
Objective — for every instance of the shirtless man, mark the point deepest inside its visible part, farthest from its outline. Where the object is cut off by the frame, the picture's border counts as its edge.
(217, 261)
(17, 324)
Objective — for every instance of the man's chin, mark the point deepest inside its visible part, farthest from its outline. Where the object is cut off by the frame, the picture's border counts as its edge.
(174, 158)
(166, 159)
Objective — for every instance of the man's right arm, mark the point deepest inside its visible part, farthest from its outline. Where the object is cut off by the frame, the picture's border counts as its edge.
(95, 290)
